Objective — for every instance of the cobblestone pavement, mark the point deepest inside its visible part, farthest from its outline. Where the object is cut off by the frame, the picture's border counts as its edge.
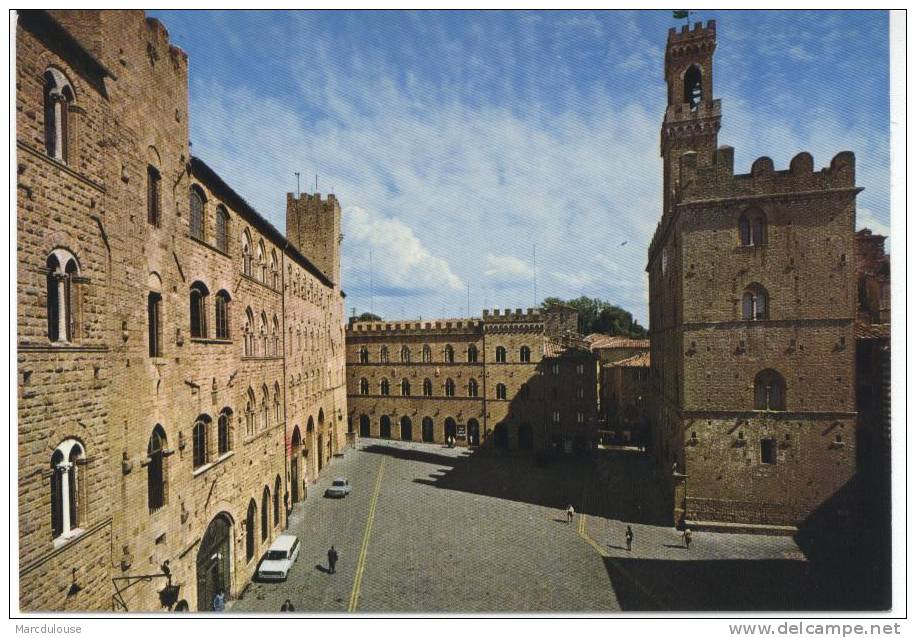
(456, 531)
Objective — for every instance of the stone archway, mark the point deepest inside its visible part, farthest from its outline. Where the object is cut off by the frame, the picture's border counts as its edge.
(406, 428)
(295, 451)
(364, 426)
(450, 428)
(385, 427)
(473, 433)
(428, 432)
(214, 561)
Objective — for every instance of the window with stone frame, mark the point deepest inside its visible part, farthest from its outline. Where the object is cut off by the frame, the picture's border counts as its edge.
(223, 432)
(364, 355)
(427, 388)
(58, 104)
(250, 418)
(154, 323)
(155, 470)
(449, 354)
(222, 229)
(198, 310)
(383, 354)
(384, 388)
(472, 353)
(524, 354)
(500, 391)
(755, 303)
(752, 228)
(265, 513)
(405, 388)
(364, 386)
(197, 217)
(67, 489)
(199, 442)
(449, 388)
(153, 196)
(405, 354)
(768, 451)
(247, 257)
(64, 296)
(472, 388)
(222, 314)
(249, 530)
(500, 354)
(769, 391)
(524, 391)
(427, 354)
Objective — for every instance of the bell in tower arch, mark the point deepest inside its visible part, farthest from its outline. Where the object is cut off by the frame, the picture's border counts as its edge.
(693, 87)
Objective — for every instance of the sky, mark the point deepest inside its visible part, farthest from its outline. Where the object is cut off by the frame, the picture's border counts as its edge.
(491, 159)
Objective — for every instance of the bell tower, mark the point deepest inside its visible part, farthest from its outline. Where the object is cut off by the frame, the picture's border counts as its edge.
(693, 117)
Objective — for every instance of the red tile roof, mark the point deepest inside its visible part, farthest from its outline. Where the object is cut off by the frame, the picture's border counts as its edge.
(599, 341)
(641, 360)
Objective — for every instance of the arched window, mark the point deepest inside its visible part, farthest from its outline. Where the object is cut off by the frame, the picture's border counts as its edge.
(199, 441)
(405, 354)
(427, 388)
(405, 388)
(197, 216)
(769, 391)
(249, 332)
(427, 354)
(222, 228)
(278, 406)
(364, 355)
(265, 513)
(449, 388)
(384, 388)
(63, 296)
(249, 530)
(250, 414)
(524, 354)
(265, 407)
(276, 337)
(277, 501)
(472, 354)
(262, 336)
(383, 354)
(755, 303)
(500, 354)
(155, 469)
(66, 488)
(223, 440)
(199, 294)
(246, 253)
(222, 314)
(58, 99)
(449, 354)
(752, 228)
(274, 270)
(693, 87)
(472, 388)
(262, 262)
(364, 386)
(500, 391)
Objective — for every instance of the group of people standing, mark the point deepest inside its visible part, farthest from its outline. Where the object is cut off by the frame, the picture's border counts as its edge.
(686, 536)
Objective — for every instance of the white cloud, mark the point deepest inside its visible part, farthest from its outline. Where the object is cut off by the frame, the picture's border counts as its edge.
(401, 264)
(508, 270)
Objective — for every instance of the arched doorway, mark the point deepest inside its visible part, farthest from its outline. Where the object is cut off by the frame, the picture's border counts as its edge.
(525, 436)
(406, 428)
(310, 467)
(450, 428)
(214, 561)
(473, 432)
(501, 436)
(385, 427)
(320, 450)
(295, 452)
(427, 430)
(364, 426)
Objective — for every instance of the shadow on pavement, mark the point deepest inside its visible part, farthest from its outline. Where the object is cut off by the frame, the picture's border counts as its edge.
(619, 484)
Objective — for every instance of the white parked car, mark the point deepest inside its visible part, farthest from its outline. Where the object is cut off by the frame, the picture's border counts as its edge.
(279, 558)
(340, 487)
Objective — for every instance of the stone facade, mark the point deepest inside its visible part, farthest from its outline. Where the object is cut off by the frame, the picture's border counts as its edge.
(511, 380)
(171, 343)
(626, 400)
(752, 302)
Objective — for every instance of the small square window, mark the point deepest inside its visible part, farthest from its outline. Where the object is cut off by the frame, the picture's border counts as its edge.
(768, 451)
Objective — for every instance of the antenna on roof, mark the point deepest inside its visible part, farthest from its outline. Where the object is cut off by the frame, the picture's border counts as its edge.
(534, 272)
(297, 185)
(469, 299)
(316, 182)
(371, 296)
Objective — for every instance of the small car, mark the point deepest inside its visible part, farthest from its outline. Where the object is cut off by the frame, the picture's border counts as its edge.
(279, 558)
(340, 487)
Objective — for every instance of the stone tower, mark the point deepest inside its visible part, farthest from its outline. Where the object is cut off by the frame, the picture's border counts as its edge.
(313, 226)
(693, 117)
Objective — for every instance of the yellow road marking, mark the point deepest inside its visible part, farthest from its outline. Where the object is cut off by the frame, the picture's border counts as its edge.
(361, 563)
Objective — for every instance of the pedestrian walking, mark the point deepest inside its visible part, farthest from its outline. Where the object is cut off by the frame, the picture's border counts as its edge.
(629, 537)
(219, 601)
(687, 538)
(570, 512)
(332, 560)
(287, 605)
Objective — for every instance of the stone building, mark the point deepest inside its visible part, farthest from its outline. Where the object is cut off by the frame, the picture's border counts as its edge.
(180, 359)
(510, 380)
(626, 400)
(752, 301)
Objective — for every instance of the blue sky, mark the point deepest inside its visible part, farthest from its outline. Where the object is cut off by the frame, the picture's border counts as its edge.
(457, 141)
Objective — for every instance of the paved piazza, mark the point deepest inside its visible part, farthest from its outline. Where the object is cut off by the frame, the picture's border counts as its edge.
(456, 531)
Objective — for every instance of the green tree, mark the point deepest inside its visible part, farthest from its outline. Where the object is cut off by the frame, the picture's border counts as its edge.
(368, 316)
(597, 315)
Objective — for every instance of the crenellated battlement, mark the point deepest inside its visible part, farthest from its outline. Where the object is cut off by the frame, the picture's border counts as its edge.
(401, 328)
(686, 35)
(718, 180)
(161, 39)
(508, 315)
(313, 225)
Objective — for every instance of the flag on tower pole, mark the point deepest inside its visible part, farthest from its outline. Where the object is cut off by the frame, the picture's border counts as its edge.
(680, 14)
